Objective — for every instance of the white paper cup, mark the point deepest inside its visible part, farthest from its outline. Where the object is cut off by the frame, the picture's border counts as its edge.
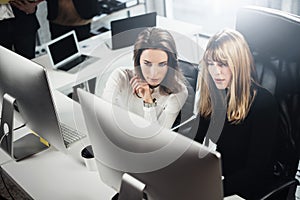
(88, 157)
(90, 163)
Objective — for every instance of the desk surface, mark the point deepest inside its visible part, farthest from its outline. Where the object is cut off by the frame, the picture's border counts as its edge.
(55, 175)
(4, 158)
(63, 177)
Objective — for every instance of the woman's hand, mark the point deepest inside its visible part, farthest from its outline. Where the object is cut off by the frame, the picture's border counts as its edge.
(25, 5)
(141, 88)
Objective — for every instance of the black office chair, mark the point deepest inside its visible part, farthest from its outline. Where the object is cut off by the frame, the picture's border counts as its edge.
(190, 72)
(274, 39)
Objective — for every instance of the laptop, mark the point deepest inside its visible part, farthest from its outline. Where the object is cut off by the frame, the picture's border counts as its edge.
(64, 53)
(124, 32)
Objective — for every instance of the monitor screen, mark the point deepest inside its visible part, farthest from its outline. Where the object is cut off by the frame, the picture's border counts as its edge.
(26, 82)
(170, 165)
(125, 31)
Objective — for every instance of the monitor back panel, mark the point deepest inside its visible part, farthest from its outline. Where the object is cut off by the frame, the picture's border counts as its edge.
(171, 165)
(125, 31)
(27, 82)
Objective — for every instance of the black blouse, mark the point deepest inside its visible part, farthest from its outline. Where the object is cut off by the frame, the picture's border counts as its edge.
(247, 148)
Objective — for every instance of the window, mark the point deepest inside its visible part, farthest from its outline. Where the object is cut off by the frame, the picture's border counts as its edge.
(214, 15)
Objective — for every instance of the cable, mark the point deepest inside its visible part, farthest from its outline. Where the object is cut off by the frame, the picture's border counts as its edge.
(1, 173)
(183, 123)
(19, 126)
(2, 178)
(3, 137)
(23, 125)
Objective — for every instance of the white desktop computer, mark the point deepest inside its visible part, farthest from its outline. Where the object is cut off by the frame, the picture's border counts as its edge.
(142, 160)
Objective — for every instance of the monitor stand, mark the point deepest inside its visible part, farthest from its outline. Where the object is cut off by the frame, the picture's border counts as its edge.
(131, 188)
(22, 148)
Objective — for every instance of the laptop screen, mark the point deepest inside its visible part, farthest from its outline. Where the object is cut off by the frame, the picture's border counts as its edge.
(125, 31)
(63, 49)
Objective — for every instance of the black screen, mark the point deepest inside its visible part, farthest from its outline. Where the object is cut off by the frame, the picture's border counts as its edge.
(125, 31)
(63, 49)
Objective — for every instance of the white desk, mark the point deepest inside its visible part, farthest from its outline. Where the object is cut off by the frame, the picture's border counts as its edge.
(54, 175)
(4, 158)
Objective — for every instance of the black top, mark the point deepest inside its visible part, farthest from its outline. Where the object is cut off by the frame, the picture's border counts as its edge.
(247, 148)
(87, 9)
(19, 33)
(25, 22)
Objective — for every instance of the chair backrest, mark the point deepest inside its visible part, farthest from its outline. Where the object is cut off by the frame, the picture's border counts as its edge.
(274, 39)
(190, 72)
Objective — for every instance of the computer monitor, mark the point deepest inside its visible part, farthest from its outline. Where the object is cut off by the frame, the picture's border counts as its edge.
(25, 94)
(138, 158)
(125, 31)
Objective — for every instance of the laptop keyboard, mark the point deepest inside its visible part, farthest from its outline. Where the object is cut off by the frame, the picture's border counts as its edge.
(73, 63)
(70, 134)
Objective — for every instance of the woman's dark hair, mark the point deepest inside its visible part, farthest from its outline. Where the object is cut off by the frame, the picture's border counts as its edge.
(156, 38)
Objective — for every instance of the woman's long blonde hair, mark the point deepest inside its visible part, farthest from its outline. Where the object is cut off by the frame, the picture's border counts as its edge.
(230, 48)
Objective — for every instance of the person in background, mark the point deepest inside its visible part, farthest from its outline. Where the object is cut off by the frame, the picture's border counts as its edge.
(155, 88)
(248, 137)
(19, 25)
(67, 15)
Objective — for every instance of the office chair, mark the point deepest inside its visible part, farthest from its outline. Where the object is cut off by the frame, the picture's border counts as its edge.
(190, 72)
(274, 39)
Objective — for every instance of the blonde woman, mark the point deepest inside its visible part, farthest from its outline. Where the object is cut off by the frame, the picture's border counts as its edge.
(155, 88)
(248, 131)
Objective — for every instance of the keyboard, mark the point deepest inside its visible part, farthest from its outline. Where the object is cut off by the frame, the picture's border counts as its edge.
(70, 134)
(73, 63)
